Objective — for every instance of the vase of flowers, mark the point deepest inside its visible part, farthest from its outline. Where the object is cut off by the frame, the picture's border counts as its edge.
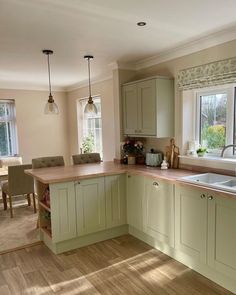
(133, 150)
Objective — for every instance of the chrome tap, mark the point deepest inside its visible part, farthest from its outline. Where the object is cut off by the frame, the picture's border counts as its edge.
(225, 148)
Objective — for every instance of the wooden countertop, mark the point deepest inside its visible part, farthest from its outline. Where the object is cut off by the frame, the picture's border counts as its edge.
(76, 172)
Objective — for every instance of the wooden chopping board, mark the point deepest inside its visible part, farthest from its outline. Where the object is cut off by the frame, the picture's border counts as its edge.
(172, 155)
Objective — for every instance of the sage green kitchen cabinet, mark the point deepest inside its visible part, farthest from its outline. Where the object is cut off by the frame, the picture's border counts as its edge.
(115, 191)
(63, 213)
(148, 107)
(135, 191)
(222, 234)
(90, 206)
(191, 222)
(158, 213)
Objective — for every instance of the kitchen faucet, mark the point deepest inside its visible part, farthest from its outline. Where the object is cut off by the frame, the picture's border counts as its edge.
(225, 148)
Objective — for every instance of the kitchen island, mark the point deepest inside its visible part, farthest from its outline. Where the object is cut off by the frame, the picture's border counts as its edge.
(94, 202)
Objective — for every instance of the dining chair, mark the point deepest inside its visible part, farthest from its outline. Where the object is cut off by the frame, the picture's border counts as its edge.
(18, 183)
(45, 162)
(86, 158)
(10, 161)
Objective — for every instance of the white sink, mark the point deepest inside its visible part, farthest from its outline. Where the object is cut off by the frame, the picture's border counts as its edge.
(217, 181)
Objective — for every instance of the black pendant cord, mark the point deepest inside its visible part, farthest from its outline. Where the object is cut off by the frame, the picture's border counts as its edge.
(49, 77)
(89, 77)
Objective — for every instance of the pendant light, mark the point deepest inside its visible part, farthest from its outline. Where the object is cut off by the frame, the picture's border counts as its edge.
(90, 107)
(51, 107)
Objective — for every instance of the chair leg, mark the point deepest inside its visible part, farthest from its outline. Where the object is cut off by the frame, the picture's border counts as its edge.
(29, 199)
(4, 198)
(34, 203)
(10, 202)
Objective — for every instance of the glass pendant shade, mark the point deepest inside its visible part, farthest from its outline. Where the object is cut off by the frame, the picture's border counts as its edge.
(90, 107)
(51, 107)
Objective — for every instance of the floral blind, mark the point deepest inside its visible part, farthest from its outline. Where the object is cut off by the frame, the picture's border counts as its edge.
(211, 74)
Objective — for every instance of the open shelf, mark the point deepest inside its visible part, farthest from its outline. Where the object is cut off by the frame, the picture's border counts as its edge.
(42, 204)
(47, 231)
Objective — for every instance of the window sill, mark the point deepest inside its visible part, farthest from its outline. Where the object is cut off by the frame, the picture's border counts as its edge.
(212, 162)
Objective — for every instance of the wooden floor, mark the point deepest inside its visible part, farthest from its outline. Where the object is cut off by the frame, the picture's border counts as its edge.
(123, 265)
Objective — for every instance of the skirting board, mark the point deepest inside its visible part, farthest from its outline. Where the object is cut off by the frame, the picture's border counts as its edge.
(203, 269)
(79, 242)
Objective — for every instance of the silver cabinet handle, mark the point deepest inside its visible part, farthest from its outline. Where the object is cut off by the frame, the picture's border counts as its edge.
(210, 198)
(155, 183)
(203, 196)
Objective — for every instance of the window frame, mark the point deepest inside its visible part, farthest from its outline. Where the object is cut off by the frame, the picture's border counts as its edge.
(13, 145)
(80, 120)
(230, 115)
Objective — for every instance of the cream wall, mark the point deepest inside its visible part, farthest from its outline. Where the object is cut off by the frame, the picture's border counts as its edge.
(39, 134)
(171, 69)
(103, 89)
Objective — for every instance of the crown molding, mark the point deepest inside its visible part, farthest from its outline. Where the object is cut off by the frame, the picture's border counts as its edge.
(16, 86)
(85, 83)
(201, 43)
(123, 66)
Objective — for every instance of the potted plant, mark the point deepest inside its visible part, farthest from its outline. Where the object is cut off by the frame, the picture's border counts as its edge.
(201, 151)
(132, 149)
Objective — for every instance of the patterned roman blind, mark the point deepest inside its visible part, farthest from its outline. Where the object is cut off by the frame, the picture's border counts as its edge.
(211, 74)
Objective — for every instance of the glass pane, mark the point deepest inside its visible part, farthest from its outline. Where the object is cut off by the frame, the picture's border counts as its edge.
(2, 110)
(91, 131)
(213, 120)
(3, 140)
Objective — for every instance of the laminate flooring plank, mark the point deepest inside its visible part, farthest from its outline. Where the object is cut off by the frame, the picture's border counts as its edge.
(36, 284)
(15, 281)
(68, 282)
(4, 290)
(7, 261)
(202, 284)
(27, 262)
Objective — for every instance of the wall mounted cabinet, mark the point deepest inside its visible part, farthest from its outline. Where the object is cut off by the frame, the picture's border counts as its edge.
(148, 107)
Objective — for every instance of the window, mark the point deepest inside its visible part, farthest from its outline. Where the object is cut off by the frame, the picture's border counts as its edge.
(215, 117)
(8, 142)
(91, 128)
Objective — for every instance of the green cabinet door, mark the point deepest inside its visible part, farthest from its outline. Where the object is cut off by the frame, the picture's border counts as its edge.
(135, 191)
(130, 109)
(90, 205)
(191, 222)
(147, 107)
(158, 213)
(115, 200)
(222, 234)
(63, 213)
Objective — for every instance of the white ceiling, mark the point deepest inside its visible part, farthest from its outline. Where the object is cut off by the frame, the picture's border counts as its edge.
(105, 28)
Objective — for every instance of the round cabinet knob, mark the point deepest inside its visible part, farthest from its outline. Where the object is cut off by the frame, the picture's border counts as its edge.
(129, 176)
(203, 196)
(210, 198)
(155, 183)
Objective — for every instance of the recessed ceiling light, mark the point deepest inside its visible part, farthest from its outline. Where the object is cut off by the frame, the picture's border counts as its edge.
(141, 24)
